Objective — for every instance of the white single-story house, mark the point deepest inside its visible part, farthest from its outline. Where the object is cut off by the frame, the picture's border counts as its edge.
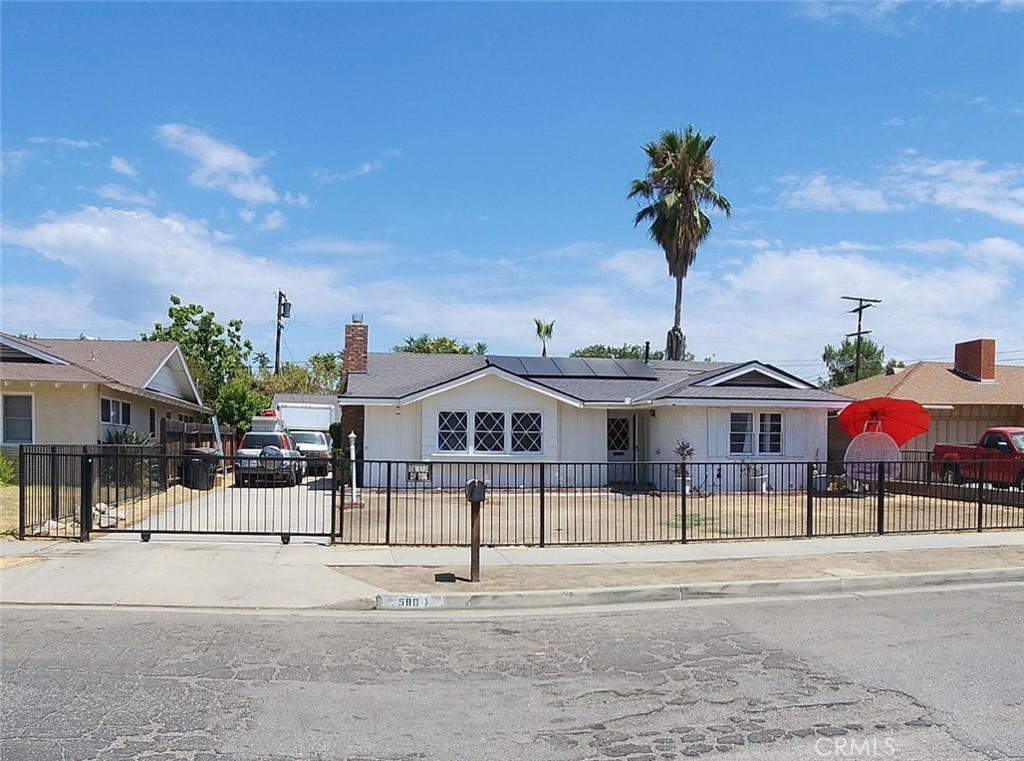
(79, 391)
(434, 408)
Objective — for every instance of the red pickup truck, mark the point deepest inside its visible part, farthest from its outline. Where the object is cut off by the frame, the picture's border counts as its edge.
(997, 458)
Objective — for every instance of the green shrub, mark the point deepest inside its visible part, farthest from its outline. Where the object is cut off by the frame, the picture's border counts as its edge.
(6, 471)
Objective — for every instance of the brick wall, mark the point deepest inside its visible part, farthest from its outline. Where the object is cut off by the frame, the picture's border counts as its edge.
(976, 359)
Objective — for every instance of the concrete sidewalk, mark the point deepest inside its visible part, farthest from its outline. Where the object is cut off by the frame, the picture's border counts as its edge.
(260, 574)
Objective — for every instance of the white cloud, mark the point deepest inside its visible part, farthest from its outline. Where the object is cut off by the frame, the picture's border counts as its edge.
(121, 165)
(219, 165)
(936, 246)
(641, 268)
(968, 185)
(298, 199)
(114, 192)
(340, 246)
(13, 163)
(962, 184)
(246, 215)
(128, 262)
(273, 221)
(822, 193)
(63, 142)
(997, 251)
(363, 168)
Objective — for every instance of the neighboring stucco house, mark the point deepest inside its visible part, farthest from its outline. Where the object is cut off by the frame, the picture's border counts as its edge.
(467, 408)
(964, 397)
(76, 391)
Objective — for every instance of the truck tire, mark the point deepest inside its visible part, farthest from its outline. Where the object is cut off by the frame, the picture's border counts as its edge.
(1020, 481)
(951, 475)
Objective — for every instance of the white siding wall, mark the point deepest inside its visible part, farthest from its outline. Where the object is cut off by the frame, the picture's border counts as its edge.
(393, 433)
(494, 395)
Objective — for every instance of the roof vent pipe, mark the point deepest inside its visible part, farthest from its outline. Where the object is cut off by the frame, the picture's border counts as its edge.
(647, 352)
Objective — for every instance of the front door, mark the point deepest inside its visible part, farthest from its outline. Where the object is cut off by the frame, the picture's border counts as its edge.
(621, 434)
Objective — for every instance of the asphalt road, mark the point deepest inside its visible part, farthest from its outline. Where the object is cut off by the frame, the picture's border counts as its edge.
(933, 676)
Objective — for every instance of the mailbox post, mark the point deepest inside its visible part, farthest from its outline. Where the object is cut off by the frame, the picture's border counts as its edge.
(476, 493)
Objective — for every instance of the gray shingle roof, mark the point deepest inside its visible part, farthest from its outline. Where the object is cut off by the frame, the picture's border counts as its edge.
(396, 375)
(126, 365)
(936, 383)
(131, 363)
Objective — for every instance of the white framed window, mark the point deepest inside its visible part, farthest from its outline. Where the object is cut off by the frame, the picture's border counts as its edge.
(452, 431)
(152, 422)
(490, 432)
(18, 418)
(755, 433)
(527, 434)
(115, 412)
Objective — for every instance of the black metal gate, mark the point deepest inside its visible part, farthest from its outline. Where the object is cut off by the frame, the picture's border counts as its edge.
(70, 491)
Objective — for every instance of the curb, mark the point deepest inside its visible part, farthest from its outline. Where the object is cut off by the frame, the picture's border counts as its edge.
(689, 592)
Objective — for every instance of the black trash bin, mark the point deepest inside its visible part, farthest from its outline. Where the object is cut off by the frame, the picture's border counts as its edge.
(199, 467)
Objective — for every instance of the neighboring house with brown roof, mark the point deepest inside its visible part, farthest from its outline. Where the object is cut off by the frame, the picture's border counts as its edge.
(964, 397)
(77, 391)
(446, 409)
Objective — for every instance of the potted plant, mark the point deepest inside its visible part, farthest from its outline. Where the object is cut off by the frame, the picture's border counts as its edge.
(684, 451)
(755, 476)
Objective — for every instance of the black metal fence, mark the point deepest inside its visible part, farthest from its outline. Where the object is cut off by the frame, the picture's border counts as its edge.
(74, 491)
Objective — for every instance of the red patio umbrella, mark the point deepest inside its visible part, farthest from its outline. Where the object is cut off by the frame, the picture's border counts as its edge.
(901, 419)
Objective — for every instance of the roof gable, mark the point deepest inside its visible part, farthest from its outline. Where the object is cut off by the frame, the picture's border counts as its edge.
(156, 366)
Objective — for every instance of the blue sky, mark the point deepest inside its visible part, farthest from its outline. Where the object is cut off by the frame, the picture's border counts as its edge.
(461, 169)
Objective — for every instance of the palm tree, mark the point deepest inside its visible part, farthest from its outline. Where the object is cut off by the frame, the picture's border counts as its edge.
(678, 186)
(544, 332)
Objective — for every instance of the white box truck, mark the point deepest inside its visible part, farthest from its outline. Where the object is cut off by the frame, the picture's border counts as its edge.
(309, 424)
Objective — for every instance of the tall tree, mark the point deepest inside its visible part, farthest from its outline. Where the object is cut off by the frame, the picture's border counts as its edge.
(215, 353)
(428, 344)
(841, 362)
(678, 188)
(544, 332)
(626, 351)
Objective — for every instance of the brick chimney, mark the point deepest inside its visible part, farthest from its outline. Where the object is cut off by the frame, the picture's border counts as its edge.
(976, 359)
(357, 335)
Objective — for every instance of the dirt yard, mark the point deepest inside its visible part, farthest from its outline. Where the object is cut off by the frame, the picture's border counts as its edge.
(511, 517)
(8, 511)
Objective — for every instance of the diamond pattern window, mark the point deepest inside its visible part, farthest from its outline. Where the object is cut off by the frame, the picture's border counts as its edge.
(452, 431)
(489, 432)
(526, 432)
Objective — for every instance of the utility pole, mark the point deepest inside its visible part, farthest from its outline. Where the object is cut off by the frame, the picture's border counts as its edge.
(284, 311)
(862, 304)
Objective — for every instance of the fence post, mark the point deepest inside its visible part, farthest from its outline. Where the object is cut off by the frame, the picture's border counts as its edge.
(387, 506)
(85, 514)
(881, 498)
(683, 490)
(334, 494)
(21, 491)
(543, 512)
(54, 493)
(981, 494)
(810, 499)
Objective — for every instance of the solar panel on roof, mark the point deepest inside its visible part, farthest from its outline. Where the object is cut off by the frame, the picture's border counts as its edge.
(573, 367)
(636, 368)
(540, 367)
(605, 368)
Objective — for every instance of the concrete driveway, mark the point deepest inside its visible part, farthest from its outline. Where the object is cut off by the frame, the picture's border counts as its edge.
(259, 509)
